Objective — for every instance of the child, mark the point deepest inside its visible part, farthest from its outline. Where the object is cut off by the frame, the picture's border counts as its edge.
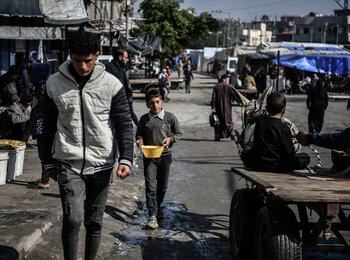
(273, 149)
(157, 127)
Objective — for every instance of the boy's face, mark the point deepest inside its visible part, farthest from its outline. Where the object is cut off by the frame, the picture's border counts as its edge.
(84, 63)
(155, 105)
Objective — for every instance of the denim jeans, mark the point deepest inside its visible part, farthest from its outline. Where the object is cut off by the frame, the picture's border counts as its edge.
(73, 187)
(156, 173)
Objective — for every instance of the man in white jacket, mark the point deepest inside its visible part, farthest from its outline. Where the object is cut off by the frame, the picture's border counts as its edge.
(86, 122)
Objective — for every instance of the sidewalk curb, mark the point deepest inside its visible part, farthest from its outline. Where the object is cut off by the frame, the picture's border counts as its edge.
(27, 242)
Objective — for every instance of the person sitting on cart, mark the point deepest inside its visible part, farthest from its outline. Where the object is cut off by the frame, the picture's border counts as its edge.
(273, 149)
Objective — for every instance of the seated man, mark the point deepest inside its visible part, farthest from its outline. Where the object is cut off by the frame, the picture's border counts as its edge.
(18, 114)
(273, 149)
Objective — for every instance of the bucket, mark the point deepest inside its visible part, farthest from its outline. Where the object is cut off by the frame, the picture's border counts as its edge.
(19, 160)
(152, 151)
(4, 157)
(11, 165)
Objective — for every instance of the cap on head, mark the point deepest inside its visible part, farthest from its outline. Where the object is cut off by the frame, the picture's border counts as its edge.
(225, 76)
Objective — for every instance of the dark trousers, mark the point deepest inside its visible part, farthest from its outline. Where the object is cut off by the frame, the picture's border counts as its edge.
(156, 172)
(72, 189)
(299, 161)
(45, 179)
(133, 115)
(188, 86)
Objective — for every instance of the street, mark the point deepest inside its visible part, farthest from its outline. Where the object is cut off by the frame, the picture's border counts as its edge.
(200, 187)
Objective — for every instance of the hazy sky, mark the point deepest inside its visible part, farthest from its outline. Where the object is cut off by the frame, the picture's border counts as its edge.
(247, 10)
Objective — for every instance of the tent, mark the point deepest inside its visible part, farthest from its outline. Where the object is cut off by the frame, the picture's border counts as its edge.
(323, 63)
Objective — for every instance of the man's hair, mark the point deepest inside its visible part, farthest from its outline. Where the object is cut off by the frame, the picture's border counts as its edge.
(153, 93)
(14, 70)
(83, 43)
(26, 98)
(117, 53)
(275, 103)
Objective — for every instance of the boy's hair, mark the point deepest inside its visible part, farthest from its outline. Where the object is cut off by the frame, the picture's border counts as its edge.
(275, 103)
(117, 53)
(14, 70)
(81, 42)
(153, 93)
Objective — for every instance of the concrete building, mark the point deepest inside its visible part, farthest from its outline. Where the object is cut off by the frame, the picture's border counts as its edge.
(255, 33)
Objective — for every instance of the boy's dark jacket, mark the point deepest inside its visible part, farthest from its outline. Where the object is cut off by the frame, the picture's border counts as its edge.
(273, 147)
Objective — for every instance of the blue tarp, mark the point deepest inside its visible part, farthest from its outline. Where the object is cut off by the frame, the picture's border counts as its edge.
(330, 64)
(300, 48)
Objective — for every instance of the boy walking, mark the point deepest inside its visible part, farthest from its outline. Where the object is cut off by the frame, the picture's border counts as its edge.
(273, 149)
(157, 127)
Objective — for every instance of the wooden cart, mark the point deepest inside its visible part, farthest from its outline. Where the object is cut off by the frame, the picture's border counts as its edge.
(271, 218)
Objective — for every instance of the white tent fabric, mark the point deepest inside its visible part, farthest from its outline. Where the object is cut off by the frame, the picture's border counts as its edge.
(63, 11)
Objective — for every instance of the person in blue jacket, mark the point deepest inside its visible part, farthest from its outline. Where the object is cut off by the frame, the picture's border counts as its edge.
(339, 141)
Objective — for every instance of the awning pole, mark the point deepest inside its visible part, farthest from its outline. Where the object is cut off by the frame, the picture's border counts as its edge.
(278, 69)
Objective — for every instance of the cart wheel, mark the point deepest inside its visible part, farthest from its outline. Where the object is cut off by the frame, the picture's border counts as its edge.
(276, 235)
(245, 205)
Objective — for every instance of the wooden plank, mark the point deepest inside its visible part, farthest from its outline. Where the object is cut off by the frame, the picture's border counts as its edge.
(311, 196)
(250, 176)
(299, 186)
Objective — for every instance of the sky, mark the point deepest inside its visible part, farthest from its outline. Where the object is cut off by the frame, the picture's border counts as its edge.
(248, 10)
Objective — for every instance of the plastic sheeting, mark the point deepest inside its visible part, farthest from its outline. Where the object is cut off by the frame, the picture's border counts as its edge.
(20, 7)
(329, 64)
(144, 45)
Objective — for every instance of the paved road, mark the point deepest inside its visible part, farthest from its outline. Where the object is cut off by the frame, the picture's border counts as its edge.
(200, 188)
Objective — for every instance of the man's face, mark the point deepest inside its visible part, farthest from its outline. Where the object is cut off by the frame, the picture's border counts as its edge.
(155, 105)
(83, 63)
(123, 60)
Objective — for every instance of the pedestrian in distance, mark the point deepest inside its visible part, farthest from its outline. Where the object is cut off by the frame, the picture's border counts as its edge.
(117, 68)
(188, 77)
(222, 106)
(317, 102)
(38, 74)
(161, 128)
(162, 83)
(180, 69)
(86, 120)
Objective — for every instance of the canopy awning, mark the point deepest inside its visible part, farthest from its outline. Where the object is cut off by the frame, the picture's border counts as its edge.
(143, 45)
(54, 12)
(329, 64)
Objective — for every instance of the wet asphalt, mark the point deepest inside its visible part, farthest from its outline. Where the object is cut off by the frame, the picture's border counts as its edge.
(196, 206)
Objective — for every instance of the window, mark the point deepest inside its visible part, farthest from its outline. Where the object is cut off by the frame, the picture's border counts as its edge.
(306, 30)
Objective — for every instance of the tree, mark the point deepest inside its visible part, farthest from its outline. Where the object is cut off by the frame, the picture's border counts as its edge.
(177, 28)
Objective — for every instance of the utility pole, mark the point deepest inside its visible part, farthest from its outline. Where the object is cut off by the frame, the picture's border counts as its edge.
(127, 4)
(111, 30)
(325, 32)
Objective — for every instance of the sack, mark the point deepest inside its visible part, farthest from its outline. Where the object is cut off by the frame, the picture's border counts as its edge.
(214, 119)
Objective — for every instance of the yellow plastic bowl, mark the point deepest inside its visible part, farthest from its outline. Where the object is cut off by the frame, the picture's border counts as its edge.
(152, 151)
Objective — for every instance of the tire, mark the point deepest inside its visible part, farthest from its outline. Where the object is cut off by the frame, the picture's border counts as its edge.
(244, 208)
(276, 235)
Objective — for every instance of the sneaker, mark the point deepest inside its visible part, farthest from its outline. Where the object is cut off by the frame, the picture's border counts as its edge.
(152, 223)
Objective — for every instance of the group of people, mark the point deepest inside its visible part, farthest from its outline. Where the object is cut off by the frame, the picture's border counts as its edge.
(22, 107)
